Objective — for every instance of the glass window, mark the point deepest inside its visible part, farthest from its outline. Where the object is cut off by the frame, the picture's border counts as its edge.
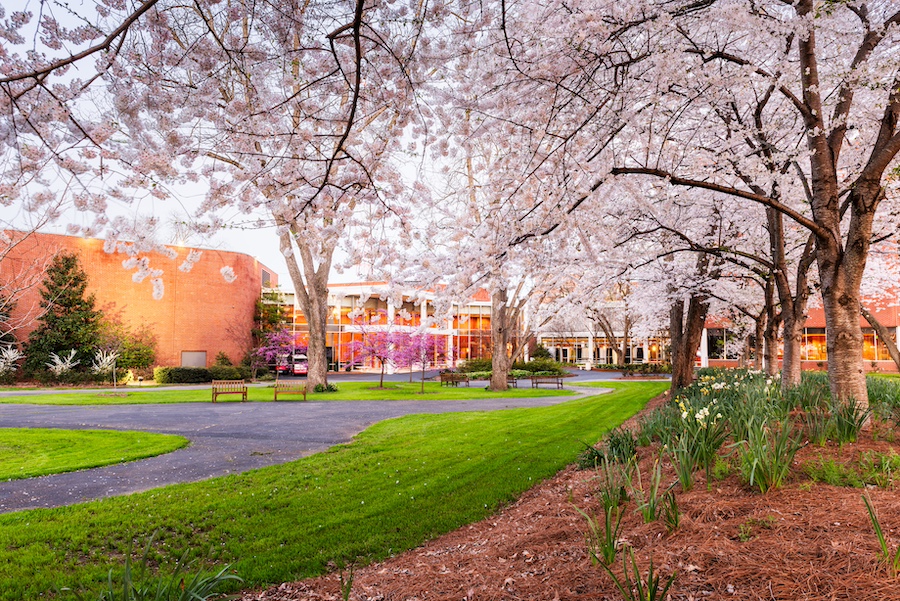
(715, 343)
(814, 345)
(868, 344)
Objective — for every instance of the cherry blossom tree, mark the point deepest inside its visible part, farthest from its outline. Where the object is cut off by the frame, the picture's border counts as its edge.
(828, 83)
(792, 107)
(286, 112)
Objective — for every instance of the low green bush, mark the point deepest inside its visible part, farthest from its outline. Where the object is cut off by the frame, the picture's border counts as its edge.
(226, 372)
(80, 377)
(547, 367)
(182, 375)
(476, 365)
(645, 369)
(480, 375)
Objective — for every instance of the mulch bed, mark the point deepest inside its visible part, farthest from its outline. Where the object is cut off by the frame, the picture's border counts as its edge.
(805, 541)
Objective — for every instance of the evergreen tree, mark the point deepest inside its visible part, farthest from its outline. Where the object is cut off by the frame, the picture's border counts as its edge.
(69, 320)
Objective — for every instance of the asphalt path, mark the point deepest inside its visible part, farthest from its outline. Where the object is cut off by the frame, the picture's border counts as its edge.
(226, 438)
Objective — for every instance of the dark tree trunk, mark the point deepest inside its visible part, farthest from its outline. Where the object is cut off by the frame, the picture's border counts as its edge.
(500, 329)
(685, 332)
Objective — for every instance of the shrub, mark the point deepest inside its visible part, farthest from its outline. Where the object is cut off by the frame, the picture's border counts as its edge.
(225, 372)
(80, 378)
(644, 369)
(541, 352)
(182, 375)
(325, 388)
(480, 375)
(473, 365)
(545, 366)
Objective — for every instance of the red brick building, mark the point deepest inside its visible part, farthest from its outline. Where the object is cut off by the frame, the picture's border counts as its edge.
(199, 315)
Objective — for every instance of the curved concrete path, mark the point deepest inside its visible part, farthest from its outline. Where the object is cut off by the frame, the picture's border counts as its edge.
(226, 438)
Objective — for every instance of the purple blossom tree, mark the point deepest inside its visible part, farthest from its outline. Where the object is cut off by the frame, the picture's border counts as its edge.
(378, 341)
(278, 344)
(418, 349)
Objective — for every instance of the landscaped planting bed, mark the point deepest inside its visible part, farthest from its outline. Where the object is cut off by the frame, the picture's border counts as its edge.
(804, 538)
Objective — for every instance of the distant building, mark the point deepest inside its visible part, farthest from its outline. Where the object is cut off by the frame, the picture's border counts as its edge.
(721, 346)
(199, 315)
(466, 335)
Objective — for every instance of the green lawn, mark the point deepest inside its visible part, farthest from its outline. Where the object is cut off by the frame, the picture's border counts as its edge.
(28, 452)
(399, 483)
(347, 391)
(607, 383)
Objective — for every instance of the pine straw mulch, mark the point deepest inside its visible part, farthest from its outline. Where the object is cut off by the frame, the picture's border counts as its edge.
(807, 541)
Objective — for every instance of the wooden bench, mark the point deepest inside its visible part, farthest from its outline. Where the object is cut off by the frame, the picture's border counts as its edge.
(229, 387)
(512, 381)
(536, 381)
(283, 387)
(453, 379)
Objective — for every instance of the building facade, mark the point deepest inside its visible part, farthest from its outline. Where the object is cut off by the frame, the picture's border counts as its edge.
(721, 346)
(356, 308)
(199, 315)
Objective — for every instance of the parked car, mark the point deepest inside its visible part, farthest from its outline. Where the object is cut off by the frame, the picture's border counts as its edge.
(293, 365)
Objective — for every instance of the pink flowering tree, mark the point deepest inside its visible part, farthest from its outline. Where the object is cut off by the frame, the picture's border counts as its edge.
(378, 341)
(287, 114)
(418, 349)
(276, 346)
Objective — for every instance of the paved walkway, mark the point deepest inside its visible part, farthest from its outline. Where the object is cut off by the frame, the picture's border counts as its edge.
(226, 438)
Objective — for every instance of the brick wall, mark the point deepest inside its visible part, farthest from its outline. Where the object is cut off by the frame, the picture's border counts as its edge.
(198, 312)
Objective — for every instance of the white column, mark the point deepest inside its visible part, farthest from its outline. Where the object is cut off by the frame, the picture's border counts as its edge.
(704, 350)
(590, 358)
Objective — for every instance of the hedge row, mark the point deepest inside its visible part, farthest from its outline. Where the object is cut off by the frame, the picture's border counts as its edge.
(200, 375)
(544, 366)
(638, 368)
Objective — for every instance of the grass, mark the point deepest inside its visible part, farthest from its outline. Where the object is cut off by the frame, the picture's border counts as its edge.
(29, 452)
(347, 391)
(398, 484)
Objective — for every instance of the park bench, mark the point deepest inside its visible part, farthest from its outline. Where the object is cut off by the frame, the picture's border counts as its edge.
(536, 381)
(512, 381)
(283, 387)
(453, 379)
(229, 387)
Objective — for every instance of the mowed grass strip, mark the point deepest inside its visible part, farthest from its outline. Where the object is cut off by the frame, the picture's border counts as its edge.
(399, 483)
(29, 452)
(347, 391)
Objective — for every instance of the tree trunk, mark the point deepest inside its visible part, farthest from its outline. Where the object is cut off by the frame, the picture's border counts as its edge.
(610, 335)
(884, 335)
(316, 311)
(626, 340)
(842, 244)
(759, 336)
(685, 337)
(840, 274)
(771, 344)
(791, 365)
(500, 329)
(312, 293)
